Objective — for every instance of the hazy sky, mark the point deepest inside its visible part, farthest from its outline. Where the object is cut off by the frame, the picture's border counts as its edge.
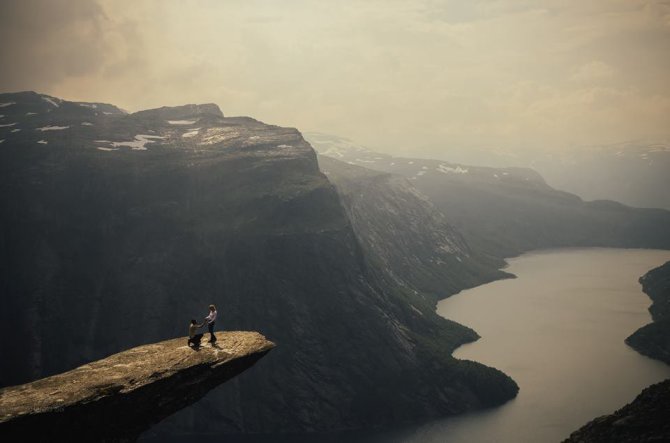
(399, 76)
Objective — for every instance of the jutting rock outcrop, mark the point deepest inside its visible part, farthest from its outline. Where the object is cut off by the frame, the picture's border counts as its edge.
(119, 397)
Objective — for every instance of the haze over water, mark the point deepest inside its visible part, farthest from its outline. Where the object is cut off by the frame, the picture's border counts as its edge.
(558, 329)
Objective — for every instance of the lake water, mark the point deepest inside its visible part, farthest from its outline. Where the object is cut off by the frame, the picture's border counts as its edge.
(558, 330)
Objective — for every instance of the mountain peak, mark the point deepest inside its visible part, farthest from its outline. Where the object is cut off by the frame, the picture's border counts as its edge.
(181, 112)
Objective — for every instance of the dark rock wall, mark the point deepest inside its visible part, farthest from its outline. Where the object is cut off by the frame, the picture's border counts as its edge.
(103, 250)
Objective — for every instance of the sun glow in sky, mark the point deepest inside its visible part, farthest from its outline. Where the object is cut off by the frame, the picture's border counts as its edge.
(399, 76)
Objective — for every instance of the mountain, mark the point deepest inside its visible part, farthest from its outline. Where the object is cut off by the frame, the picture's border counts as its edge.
(119, 228)
(504, 212)
(644, 419)
(405, 234)
(119, 397)
(653, 340)
(634, 173)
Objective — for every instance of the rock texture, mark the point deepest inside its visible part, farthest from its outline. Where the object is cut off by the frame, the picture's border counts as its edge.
(407, 236)
(646, 419)
(122, 227)
(653, 340)
(117, 398)
(507, 211)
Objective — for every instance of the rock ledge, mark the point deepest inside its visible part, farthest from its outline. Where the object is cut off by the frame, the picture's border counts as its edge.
(119, 397)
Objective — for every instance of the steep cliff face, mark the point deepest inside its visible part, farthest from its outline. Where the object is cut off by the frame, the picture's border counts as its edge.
(119, 397)
(644, 419)
(653, 340)
(118, 228)
(405, 234)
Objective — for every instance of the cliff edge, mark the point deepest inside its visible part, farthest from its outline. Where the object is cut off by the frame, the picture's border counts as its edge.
(119, 397)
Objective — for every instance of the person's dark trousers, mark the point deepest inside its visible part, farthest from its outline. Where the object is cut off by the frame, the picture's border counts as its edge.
(210, 328)
(195, 340)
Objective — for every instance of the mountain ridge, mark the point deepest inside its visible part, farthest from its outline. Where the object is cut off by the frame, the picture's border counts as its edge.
(131, 223)
(503, 212)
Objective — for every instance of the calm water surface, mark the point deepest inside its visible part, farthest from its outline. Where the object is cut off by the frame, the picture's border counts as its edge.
(558, 330)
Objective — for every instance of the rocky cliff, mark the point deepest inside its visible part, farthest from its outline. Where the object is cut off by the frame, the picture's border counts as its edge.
(118, 228)
(119, 397)
(406, 235)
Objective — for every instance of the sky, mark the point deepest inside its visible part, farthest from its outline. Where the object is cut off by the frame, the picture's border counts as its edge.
(403, 77)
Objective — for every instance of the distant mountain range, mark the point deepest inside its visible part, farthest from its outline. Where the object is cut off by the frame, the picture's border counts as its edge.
(506, 211)
(635, 173)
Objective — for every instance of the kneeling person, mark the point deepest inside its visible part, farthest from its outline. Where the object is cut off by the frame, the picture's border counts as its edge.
(192, 336)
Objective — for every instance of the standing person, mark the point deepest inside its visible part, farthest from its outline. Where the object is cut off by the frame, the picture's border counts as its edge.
(211, 319)
(192, 336)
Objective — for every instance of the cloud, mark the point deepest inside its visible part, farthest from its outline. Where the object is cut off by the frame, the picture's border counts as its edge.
(394, 75)
(43, 43)
(593, 71)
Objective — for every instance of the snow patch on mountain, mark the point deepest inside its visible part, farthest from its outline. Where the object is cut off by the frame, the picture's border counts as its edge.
(7, 125)
(449, 170)
(4, 105)
(139, 143)
(51, 128)
(86, 124)
(191, 133)
(181, 122)
(42, 142)
(217, 135)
